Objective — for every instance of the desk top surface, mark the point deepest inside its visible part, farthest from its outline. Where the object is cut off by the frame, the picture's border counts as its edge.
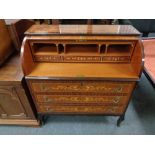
(83, 30)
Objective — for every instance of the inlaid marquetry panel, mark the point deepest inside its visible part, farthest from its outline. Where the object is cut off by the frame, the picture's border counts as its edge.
(55, 58)
(80, 96)
(82, 59)
(81, 86)
(116, 58)
(81, 100)
(81, 109)
(48, 58)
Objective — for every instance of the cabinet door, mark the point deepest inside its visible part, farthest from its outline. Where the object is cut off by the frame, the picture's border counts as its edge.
(10, 105)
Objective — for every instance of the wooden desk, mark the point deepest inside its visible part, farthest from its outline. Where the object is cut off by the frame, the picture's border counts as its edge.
(82, 69)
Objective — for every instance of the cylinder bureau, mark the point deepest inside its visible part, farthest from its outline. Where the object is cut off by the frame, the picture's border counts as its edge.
(82, 69)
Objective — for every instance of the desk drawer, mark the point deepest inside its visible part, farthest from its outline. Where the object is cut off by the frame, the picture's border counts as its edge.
(114, 110)
(80, 86)
(81, 100)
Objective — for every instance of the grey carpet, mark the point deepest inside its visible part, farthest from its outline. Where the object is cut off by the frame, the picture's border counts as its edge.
(140, 119)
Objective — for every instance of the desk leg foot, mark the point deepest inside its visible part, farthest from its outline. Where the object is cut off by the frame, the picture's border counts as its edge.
(41, 118)
(120, 119)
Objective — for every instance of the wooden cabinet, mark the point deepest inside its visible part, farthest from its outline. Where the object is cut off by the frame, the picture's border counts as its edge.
(15, 101)
(9, 98)
(6, 46)
(82, 69)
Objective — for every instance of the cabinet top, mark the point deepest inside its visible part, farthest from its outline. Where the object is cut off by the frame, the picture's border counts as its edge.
(127, 30)
(11, 71)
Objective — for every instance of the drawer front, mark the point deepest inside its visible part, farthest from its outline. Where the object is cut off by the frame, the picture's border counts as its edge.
(81, 86)
(81, 109)
(80, 100)
(53, 96)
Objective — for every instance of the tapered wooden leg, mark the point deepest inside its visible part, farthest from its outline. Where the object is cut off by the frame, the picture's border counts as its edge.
(41, 119)
(120, 119)
(45, 117)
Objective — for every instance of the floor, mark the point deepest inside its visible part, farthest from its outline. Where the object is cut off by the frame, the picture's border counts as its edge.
(140, 119)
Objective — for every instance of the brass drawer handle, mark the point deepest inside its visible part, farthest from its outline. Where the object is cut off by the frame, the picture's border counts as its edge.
(47, 109)
(119, 89)
(43, 87)
(116, 100)
(46, 99)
